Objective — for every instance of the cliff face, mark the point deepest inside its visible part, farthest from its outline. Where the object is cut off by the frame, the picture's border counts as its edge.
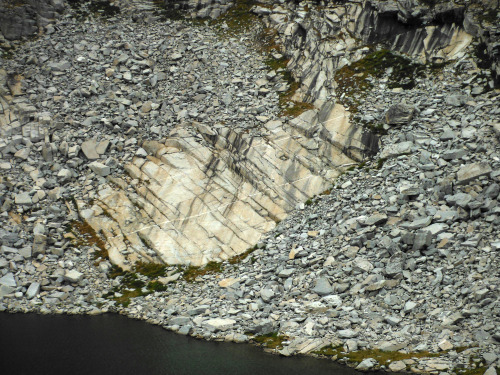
(22, 18)
(320, 41)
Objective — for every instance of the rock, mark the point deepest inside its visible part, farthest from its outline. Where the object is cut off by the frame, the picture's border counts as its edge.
(322, 287)
(23, 153)
(227, 283)
(347, 334)
(286, 272)
(399, 114)
(473, 171)
(6, 290)
(366, 364)
(395, 265)
(8, 280)
(218, 324)
(496, 129)
(23, 199)
(491, 371)
(179, 320)
(397, 366)
(33, 290)
(99, 169)
(456, 100)
(419, 223)
(39, 243)
(362, 264)
(410, 306)
(376, 219)
(392, 320)
(73, 276)
(422, 240)
(398, 149)
(445, 345)
(264, 327)
(198, 310)
(89, 149)
(454, 154)
(266, 294)
(489, 358)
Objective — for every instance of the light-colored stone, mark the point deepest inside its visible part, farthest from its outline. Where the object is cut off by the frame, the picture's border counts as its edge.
(473, 171)
(100, 169)
(218, 324)
(8, 280)
(73, 276)
(33, 290)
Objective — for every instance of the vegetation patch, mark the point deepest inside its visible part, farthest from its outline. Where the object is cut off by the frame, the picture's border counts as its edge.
(156, 286)
(271, 340)
(474, 371)
(238, 258)
(151, 270)
(13, 3)
(87, 236)
(355, 79)
(101, 8)
(383, 358)
(380, 162)
(376, 128)
(132, 286)
(239, 19)
(192, 272)
(288, 106)
(7, 53)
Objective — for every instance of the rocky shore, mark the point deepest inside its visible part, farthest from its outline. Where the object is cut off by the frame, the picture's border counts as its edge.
(386, 257)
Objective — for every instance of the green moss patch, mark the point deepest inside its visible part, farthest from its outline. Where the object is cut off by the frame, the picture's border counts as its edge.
(354, 80)
(131, 285)
(192, 273)
(238, 258)
(151, 270)
(87, 236)
(271, 340)
(382, 357)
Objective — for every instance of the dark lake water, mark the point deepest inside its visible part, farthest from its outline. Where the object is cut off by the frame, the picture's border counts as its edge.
(112, 344)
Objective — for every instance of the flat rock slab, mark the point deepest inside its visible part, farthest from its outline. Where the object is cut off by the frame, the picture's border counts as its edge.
(89, 148)
(8, 280)
(473, 171)
(197, 200)
(398, 149)
(218, 324)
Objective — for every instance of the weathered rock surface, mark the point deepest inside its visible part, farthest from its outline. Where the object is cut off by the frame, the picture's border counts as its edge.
(400, 254)
(212, 200)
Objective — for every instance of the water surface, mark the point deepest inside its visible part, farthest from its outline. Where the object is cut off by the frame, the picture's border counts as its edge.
(113, 344)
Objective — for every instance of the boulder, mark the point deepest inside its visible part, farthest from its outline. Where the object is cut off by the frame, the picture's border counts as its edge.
(322, 287)
(218, 324)
(472, 171)
(399, 114)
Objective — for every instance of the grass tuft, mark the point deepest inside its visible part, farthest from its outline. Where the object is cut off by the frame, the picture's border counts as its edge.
(271, 340)
(192, 272)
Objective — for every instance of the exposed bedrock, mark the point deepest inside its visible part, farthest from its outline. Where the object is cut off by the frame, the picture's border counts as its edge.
(196, 199)
(321, 41)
